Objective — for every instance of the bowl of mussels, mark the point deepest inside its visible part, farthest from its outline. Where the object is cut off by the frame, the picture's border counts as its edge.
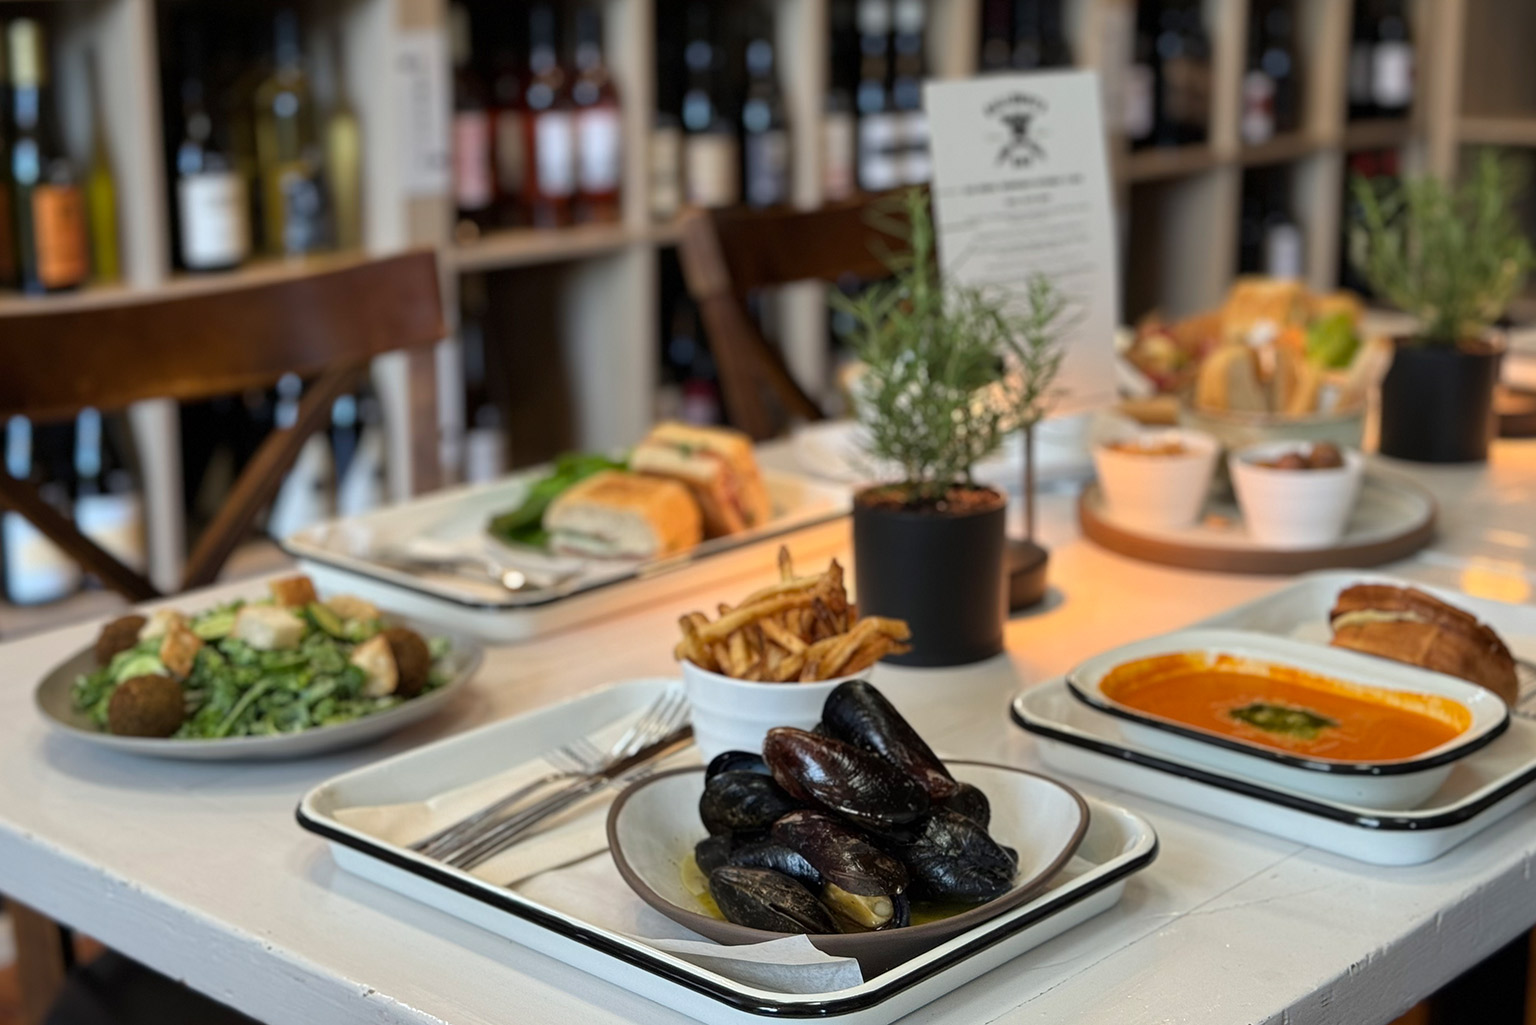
(855, 834)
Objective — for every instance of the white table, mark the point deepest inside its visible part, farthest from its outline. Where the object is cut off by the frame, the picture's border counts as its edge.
(200, 871)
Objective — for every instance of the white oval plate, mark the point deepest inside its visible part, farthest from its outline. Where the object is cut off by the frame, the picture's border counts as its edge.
(53, 701)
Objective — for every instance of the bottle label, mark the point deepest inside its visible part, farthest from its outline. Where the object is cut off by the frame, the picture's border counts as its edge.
(916, 161)
(879, 152)
(215, 231)
(58, 216)
(666, 173)
(1258, 108)
(1282, 251)
(711, 169)
(1392, 75)
(301, 208)
(472, 160)
(600, 155)
(511, 153)
(1139, 106)
(767, 168)
(837, 154)
(554, 147)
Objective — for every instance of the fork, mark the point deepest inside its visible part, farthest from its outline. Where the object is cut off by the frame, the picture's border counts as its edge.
(659, 719)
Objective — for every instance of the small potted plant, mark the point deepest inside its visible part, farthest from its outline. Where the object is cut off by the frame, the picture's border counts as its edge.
(1452, 257)
(949, 372)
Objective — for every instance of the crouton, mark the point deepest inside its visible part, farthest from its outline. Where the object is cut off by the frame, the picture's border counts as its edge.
(267, 628)
(179, 651)
(160, 622)
(413, 659)
(294, 592)
(377, 662)
(350, 606)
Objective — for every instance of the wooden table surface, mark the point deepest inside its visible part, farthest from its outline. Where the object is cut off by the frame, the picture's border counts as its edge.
(200, 871)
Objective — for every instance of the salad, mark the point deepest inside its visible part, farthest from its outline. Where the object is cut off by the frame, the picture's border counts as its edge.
(280, 665)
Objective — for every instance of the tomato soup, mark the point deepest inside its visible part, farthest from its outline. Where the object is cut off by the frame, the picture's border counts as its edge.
(1286, 709)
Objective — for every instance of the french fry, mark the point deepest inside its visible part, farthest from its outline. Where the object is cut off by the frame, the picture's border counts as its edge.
(844, 646)
(872, 652)
(781, 635)
(786, 564)
(739, 617)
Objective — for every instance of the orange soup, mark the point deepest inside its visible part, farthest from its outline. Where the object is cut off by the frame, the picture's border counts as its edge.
(1286, 709)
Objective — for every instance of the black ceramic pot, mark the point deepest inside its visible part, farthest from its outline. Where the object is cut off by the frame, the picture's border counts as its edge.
(1437, 402)
(945, 573)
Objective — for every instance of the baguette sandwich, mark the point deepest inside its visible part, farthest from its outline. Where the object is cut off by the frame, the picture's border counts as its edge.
(717, 465)
(621, 515)
(1407, 625)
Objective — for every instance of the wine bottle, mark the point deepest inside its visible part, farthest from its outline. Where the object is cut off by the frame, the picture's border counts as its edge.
(50, 218)
(551, 129)
(1039, 37)
(474, 190)
(665, 148)
(1270, 94)
(880, 134)
(108, 508)
(36, 570)
(344, 159)
(907, 71)
(100, 185)
(997, 35)
(212, 205)
(287, 156)
(710, 161)
(599, 127)
(509, 140)
(839, 127)
(1392, 62)
(1283, 242)
(361, 486)
(1361, 104)
(1139, 101)
(1055, 49)
(764, 129)
(305, 497)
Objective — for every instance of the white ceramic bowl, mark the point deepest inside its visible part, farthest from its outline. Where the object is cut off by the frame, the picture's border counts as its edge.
(1145, 490)
(735, 715)
(1294, 508)
(1389, 785)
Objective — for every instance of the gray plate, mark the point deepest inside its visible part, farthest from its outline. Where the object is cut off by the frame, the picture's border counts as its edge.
(53, 701)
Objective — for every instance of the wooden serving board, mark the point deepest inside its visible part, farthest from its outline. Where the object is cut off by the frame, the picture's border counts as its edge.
(1393, 518)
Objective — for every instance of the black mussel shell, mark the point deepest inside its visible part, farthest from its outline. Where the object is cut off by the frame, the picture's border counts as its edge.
(738, 802)
(736, 761)
(712, 851)
(853, 782)
(970, 802)
(956, 860)
(841, 854)
(761, 898)
(858, 714)
(782, 859)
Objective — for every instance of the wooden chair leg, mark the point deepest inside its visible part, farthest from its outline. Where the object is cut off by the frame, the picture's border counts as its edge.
(40, 962)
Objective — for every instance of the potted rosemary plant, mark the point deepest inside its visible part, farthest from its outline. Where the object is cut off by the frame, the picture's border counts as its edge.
(950, 371)
(1452, 257)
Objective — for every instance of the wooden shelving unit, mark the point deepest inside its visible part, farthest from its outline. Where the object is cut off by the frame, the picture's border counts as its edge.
(1178, 208)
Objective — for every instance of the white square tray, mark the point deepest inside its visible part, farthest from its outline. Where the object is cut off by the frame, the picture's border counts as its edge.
(1118, 843)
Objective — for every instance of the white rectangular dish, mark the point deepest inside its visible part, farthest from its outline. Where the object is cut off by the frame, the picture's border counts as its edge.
(1481, 789)
(345, 555)
(1402, 783)
(1118, 843)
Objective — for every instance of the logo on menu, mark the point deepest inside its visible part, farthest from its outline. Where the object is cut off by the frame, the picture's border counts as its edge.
(1016, 114)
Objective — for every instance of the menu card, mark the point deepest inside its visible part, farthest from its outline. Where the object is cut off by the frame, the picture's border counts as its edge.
(1020, 186)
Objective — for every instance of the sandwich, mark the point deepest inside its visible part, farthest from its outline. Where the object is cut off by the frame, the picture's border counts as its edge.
(1230, 381)
(1258, 308)
(716, 465)
(1407, 625)
(618, 515)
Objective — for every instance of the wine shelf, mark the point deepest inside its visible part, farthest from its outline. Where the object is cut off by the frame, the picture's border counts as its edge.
(523, 247)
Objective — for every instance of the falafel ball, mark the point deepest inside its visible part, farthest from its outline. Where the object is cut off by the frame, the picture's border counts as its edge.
(146, 706)
(412, 660)
(117, 637)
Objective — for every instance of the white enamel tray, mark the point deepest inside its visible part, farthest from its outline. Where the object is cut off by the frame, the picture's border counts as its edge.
(1117, 844)
(1481, 789)
(340, 555)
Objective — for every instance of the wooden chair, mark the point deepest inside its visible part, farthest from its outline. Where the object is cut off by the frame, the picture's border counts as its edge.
(727, 254)
(204, 343)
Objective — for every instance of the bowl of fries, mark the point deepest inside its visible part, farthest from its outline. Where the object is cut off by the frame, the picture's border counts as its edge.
(772, 659)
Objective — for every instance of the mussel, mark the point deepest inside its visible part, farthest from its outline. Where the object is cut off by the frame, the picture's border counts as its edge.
(849, 780)
(735, 761)
(767, 854)
(761, 898)
(861, 882)
(858, 714)
(737, 802)
(712, 852)
(954, 859)
(970, 802)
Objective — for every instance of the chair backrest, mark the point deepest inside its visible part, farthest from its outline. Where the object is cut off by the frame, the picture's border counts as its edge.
(726, 254)
(204, 341)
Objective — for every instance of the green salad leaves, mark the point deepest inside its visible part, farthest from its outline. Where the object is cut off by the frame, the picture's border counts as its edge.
(525, 524)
